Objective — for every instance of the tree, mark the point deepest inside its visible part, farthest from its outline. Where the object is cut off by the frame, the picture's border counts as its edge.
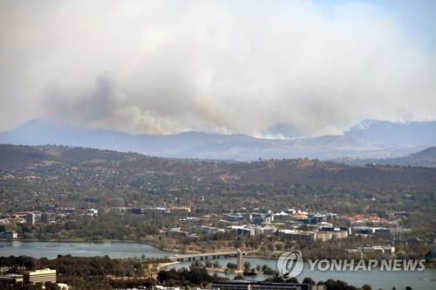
(308, 280)
(216, 264)
(247, 265)
(231, 266)
(239, 277)
(208, 264)
(292, 280)
(267, 270)
(51, 286)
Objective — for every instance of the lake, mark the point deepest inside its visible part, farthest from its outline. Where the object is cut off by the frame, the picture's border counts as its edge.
(53, 249)
(424, 280)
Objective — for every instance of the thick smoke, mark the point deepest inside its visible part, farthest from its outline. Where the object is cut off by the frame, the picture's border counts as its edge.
(255, 67)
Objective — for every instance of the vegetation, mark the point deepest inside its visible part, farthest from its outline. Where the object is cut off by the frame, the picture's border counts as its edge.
(86, 272)
(106, 273)
(66, 182)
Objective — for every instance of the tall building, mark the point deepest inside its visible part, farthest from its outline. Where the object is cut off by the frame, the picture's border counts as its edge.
(45, 218)
(31, 218)
(239, 260)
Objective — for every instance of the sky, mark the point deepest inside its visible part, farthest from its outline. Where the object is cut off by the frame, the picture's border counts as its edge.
(262, 68)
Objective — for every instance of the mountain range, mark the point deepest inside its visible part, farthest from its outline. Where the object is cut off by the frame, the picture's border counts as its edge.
(369, 140)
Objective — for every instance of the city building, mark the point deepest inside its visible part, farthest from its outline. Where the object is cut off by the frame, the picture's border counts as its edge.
(180, 210)
(337, 233)
(256, 285)
(210, 230)
(92, 212)
(233, 218)
(324, 236)
(40, 276)
(10, 235)
(374, 249)
(243, 230)
(30, 218)
(296, 235)
(11, 279)
(400, 231)
(45, 218)
(258, 219)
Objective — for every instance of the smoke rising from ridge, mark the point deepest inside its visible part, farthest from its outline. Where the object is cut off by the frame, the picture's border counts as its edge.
(219, 66)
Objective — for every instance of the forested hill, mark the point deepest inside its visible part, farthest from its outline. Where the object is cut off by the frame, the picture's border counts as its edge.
(296, 172)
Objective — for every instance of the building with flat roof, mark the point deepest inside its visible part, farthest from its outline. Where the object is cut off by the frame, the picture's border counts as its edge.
(40, 276)
(12, 278)
(10, 235)
(297, 235)
(257, 285)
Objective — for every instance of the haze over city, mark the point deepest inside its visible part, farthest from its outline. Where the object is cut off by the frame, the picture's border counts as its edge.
(270, 69)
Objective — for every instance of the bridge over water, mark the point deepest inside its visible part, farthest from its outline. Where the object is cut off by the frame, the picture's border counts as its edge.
(205, 256)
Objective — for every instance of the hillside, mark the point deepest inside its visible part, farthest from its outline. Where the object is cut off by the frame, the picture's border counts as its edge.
(280, 172)
(424, 158)
(427, 155)
(14, 157)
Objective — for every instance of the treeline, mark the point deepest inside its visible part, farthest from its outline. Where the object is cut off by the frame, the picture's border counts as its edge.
(18, 264)
(195, 276)
(84, 267)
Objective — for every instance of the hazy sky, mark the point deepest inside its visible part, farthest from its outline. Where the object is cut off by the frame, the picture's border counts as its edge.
(253, 67)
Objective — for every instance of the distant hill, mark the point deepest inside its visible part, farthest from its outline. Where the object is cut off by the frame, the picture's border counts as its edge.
(370, 140)
(427, 154)
(21, 156)
(296, 172)
(424, 158)
(388, 133)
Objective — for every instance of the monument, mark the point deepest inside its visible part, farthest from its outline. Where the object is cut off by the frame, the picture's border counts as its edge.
(239, 261)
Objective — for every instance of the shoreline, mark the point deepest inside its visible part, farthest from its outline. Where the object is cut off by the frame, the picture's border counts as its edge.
(165, 265)
(430, 265)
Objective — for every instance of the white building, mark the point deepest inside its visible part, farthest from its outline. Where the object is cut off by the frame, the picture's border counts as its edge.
(40, 276)
(92, 212)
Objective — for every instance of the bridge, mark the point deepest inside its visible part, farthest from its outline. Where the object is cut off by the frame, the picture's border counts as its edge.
(205, 256)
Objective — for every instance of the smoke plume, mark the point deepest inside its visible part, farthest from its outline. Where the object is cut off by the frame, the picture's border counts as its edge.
(252, 67)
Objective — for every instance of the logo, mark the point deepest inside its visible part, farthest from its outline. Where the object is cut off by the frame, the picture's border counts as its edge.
(290, 264)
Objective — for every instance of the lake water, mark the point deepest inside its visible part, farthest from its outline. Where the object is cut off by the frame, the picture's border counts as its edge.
(52, 250)
(425, 280)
